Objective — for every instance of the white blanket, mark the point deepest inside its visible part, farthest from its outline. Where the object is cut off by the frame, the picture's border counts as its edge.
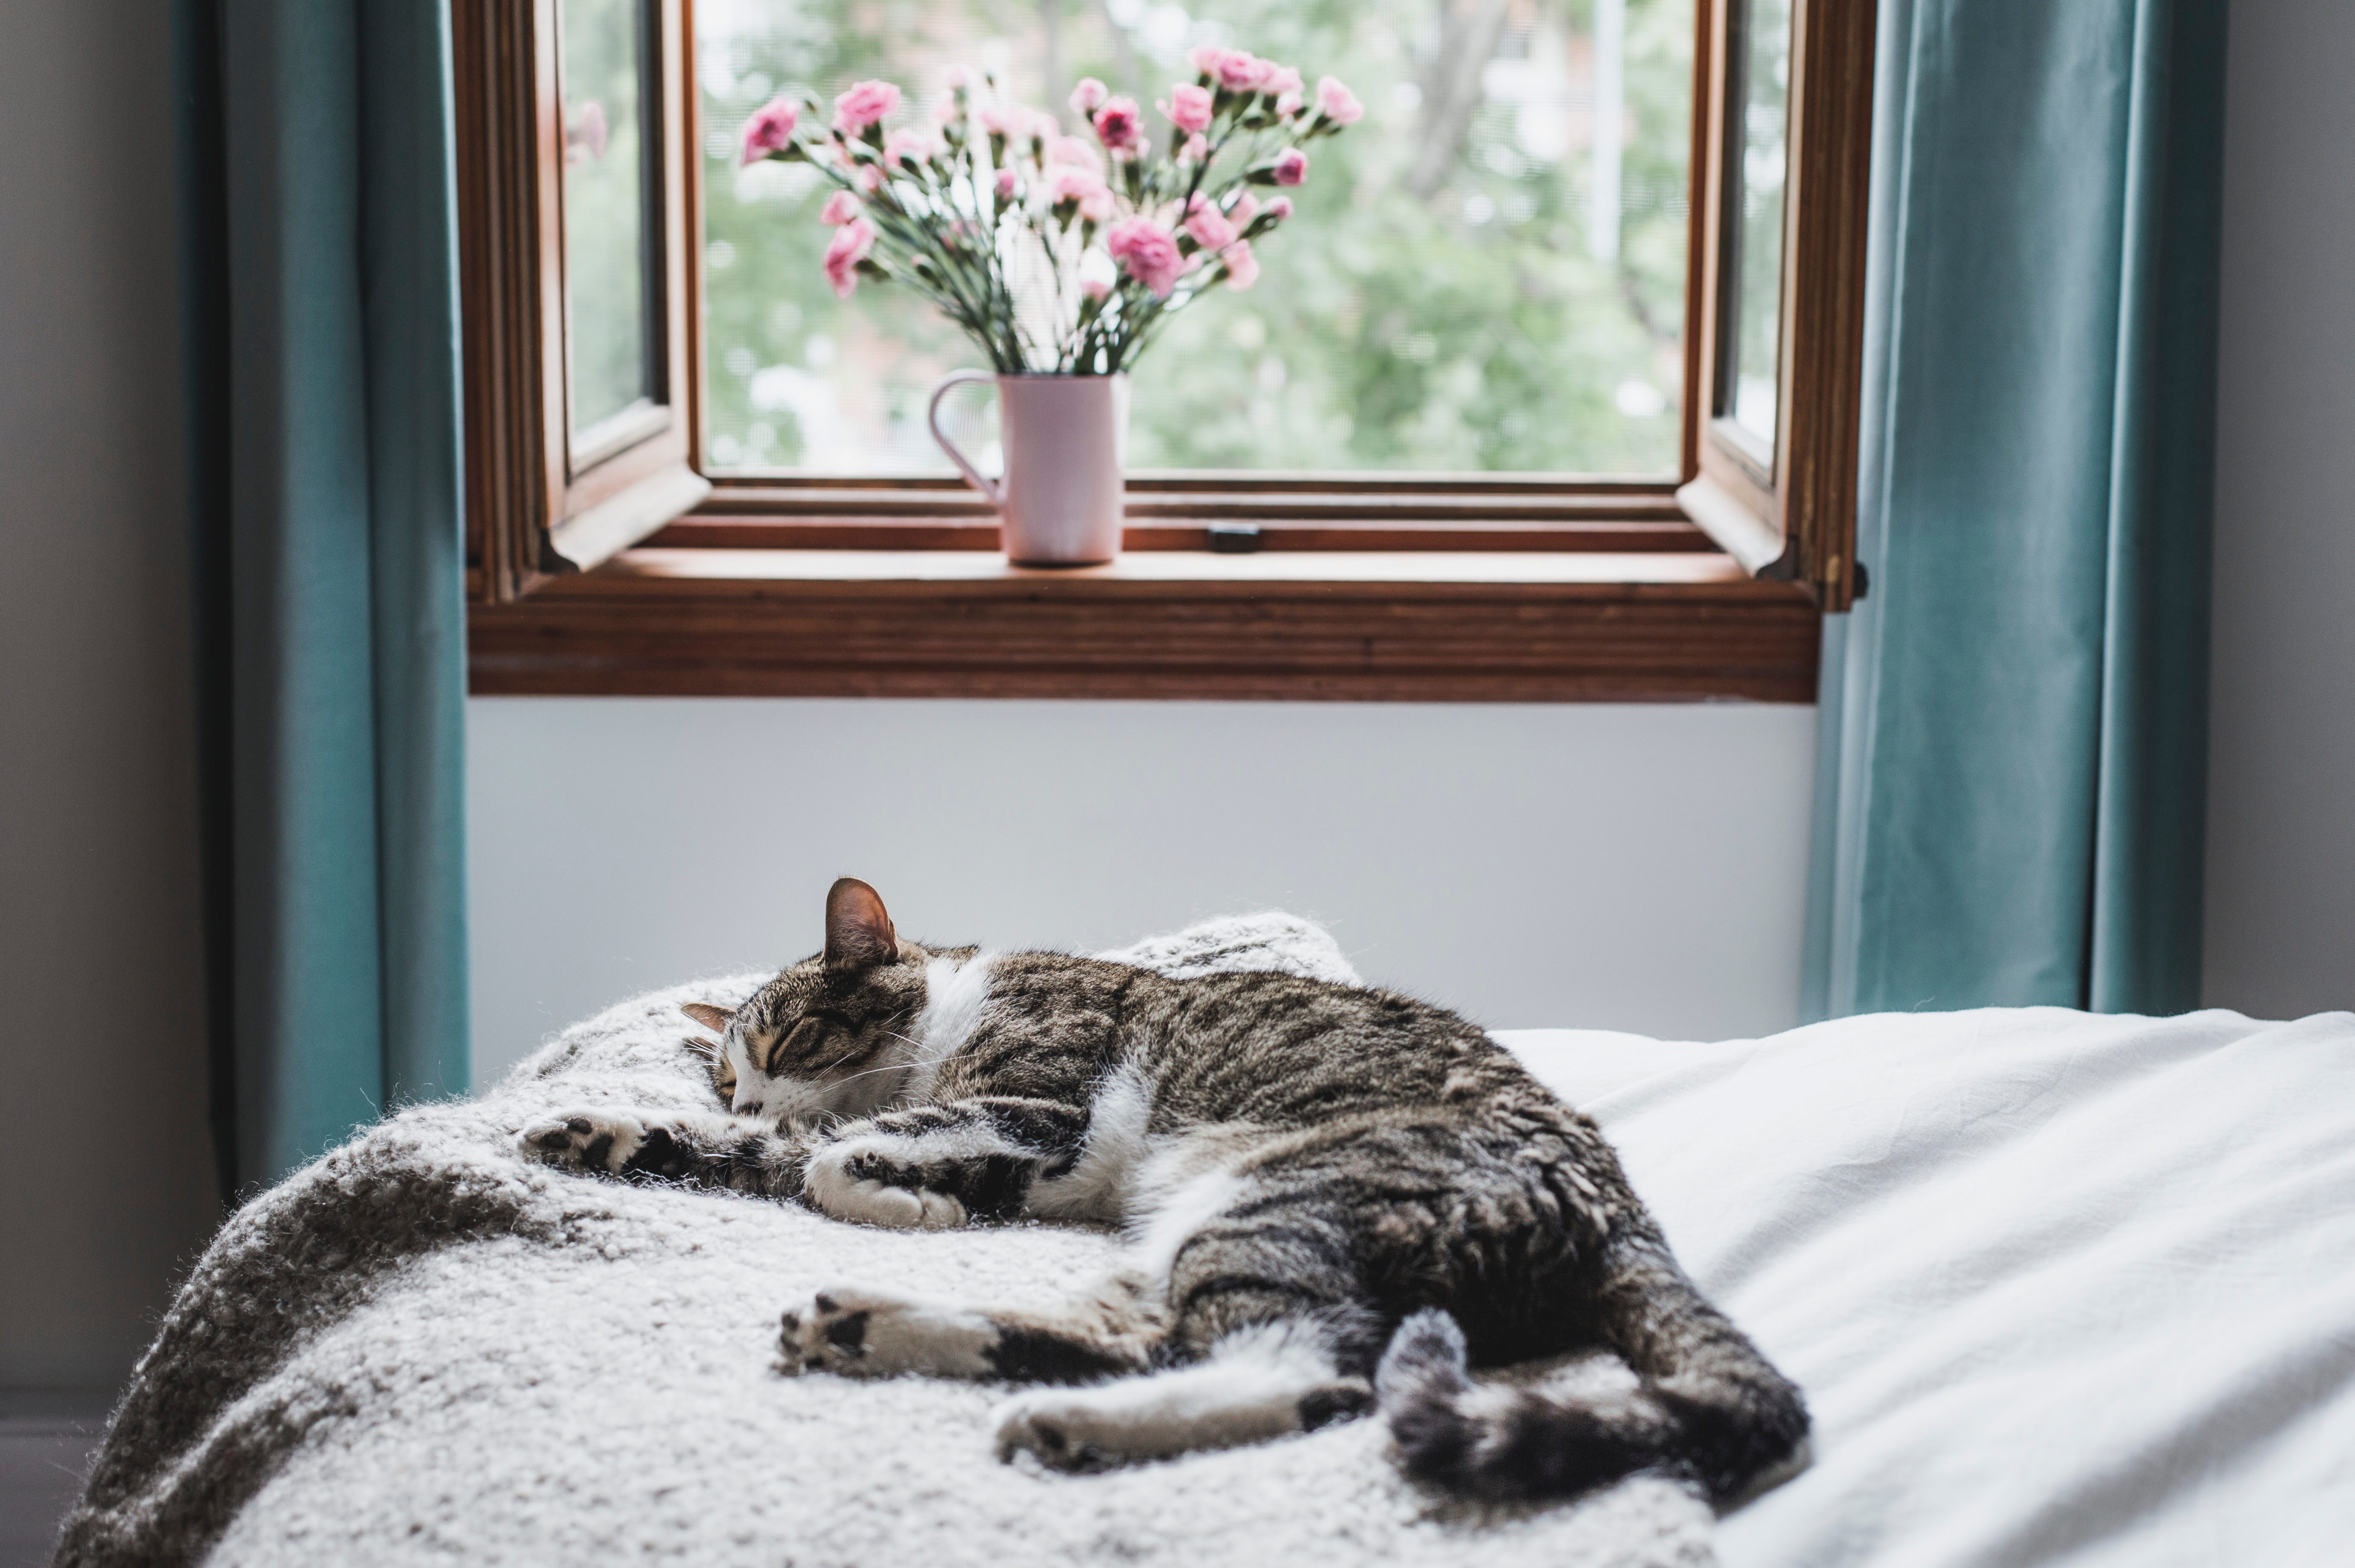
(2061, 1288)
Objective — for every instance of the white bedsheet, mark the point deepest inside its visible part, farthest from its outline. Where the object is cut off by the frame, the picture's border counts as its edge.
(2061, 1288)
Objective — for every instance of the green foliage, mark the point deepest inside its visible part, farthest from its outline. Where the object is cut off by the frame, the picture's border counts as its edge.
(1472, 327)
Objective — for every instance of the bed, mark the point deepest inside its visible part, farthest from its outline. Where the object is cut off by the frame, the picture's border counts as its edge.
(2061, 1288)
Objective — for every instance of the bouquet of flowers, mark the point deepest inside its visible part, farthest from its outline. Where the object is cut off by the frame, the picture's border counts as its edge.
(1060, 255)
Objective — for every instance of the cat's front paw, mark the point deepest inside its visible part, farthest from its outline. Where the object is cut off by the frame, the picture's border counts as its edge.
(854, 1185)
(872, 1334)
(606, 1142)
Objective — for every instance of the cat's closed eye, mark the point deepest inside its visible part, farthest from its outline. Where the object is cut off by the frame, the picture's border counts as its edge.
(795, 1044)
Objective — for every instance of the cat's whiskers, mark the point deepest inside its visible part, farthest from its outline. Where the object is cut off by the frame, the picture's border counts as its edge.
(870, 1072)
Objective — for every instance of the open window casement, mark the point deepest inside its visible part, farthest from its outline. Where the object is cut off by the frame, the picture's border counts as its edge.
(574, 166)
(592, 421)
(1781, 181)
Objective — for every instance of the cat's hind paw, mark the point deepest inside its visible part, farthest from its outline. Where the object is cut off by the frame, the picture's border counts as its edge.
(1245, 1397)
(604, 1142)
(1055, 1429)
(871, 1334)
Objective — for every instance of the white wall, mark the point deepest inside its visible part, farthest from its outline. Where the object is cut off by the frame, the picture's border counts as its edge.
(108, 1181)
(1635, 868)
(2281, 799)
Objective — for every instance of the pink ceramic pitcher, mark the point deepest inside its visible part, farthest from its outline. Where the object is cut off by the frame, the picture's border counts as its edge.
(1059, 502)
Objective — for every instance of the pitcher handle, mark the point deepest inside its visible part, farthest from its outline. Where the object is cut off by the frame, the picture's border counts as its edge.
(992, 490)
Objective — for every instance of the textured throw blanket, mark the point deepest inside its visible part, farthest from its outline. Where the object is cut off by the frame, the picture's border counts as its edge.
(423, 1348)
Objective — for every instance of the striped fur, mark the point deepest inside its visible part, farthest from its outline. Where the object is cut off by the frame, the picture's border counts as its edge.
(1308, 1174)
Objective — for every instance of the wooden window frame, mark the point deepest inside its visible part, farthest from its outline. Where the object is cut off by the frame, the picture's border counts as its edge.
(535, 508)
(1792, 518)
(1427, 587)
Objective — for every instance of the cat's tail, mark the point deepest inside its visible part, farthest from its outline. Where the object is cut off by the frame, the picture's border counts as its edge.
(1722, 1427)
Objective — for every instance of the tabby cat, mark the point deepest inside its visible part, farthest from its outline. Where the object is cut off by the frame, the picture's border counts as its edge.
(1335, 1198)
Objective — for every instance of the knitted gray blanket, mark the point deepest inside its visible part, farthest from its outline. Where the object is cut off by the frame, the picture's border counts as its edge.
(422, 1346)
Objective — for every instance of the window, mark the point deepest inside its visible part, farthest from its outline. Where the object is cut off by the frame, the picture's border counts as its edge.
(1488, 273)
(1780, 231)
(574, 239)
(1574, 309)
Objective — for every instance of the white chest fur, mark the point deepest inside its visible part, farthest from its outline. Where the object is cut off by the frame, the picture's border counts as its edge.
(956, 996)
(1100, 1185)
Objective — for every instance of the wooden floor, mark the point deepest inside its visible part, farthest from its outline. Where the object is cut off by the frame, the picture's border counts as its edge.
(46, 1439)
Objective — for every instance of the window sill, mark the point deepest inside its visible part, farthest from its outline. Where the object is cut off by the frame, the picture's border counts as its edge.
(1393, 627)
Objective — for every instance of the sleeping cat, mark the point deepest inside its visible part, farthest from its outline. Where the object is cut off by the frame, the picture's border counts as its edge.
(1335, 1197)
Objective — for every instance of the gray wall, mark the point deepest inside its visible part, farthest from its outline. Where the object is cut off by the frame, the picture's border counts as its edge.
(108, 1182)
(1637, 867)
(2281, 798)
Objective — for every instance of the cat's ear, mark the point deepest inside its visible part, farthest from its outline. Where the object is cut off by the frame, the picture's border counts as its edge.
(710, 1017)
(859, 934)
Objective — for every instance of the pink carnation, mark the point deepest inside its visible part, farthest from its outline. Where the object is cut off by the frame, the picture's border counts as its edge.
(1205, 57)
(1212, 229)
(957, 78)
(1196, 150)
(998, 118)
(1241, 72)
(1340, 105)
(1245, 209)
(585, 141)
(870, 178)
(1280, 208)
(1242, 267)
(863, 105)
(770, 128)
(840, 208)
(1088, 97)
(1006, 181)
(1084, 186)
(1188, 107)
(1291, 166)
(909, 146)
(845, 252)
(1073, 152)
(1119, 124)
(1148, 252)
(1287, 104)
(1283, 78)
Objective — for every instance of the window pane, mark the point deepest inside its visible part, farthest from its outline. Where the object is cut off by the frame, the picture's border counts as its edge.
(613, 341)
(1487, 272)
(1764, 83)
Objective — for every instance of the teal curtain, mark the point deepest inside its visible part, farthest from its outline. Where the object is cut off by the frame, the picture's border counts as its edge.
(319, 221)
(2012, 771)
